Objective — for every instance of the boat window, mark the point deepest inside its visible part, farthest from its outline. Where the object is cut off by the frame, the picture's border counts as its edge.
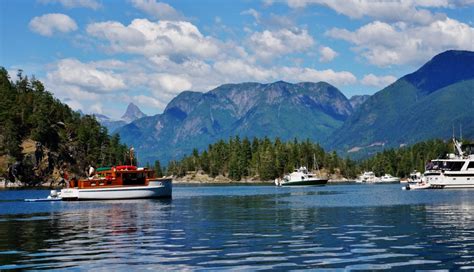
(133, 178)
(452, 165)
(471, 165)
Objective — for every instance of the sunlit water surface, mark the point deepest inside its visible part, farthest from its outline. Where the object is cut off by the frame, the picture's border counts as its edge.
(368, 227)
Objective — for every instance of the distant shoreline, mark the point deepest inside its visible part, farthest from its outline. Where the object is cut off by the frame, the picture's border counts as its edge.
(180, 181)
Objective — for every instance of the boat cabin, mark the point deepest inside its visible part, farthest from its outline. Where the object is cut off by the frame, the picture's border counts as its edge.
(124, 175)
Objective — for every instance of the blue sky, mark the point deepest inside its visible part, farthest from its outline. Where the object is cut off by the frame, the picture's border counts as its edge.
(99, 55)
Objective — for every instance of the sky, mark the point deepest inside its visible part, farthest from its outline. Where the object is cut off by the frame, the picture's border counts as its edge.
(99, 55)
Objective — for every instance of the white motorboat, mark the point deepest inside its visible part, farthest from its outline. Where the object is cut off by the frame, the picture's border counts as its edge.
(416, 177)
(387, 178)
(417, 186)
(454, 171)
(368, 177)
(301, 176)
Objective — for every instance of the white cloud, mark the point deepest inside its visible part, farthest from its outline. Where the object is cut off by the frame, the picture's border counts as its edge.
(86, 77)
(48, 24)
(383, 44)
(237, 70)
(327, 54)
(269, 44)
(92, 4)
(157, 10)
(252, 12)
(377, 81)
(168, 83)
(384, 10)
(296, 74)
(143, 37)
(147, 101)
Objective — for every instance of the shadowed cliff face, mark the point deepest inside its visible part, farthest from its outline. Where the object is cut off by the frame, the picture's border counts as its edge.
(280, 109)
(423, 105)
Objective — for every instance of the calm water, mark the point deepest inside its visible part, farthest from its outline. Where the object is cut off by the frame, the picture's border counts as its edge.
(336, 227)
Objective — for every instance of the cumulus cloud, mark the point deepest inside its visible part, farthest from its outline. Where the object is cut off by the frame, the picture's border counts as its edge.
(326, 54)
(87, 77)
(377, 81)
(383, 44)
(384, 10)
(269, 44)
(296, 74)
(51, 23)
(92, 4)
(157, 10)
(143, 37)
(169, 83)
(252, 12)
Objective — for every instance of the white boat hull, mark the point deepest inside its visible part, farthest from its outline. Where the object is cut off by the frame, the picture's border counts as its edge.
(417, 186)
(452, 180)
(156, 189)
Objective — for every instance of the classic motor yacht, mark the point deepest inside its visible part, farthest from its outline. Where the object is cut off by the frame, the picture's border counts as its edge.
(454, 171)
(121, 182)
(301, 176)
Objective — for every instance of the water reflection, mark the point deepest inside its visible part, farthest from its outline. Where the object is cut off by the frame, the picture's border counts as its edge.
(267, 229)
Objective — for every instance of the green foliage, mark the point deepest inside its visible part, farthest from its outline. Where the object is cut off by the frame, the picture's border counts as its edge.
(401, 162)
(27, 111)
(262, 158)
(268, 159)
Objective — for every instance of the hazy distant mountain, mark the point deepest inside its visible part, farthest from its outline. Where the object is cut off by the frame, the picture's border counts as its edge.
(132, 113)
(280, 109)
(422, 105)
(358, 100)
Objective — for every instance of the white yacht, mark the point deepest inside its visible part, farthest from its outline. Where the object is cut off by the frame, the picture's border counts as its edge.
(301, 176)
(455, 171)
(389, 178)
(368, 177)
(416, 177)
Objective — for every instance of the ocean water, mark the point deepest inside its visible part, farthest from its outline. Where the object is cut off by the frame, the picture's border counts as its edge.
(329, 228)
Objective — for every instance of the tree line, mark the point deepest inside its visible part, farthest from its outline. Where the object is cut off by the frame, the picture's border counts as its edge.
(62, 136)
(267, 159)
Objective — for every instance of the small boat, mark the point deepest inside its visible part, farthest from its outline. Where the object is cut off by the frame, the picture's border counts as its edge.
(121, 182)
(301, 176)
(389, 178)
(368, 177)
(417, 186)
(415, 177)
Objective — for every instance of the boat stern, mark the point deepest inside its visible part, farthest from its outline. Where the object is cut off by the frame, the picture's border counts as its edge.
(69, 194)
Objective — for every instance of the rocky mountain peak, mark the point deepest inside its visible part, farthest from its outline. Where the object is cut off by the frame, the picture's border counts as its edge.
(132, 113)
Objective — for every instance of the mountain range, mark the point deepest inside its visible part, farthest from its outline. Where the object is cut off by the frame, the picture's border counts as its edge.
(280, 109)
(422, 105)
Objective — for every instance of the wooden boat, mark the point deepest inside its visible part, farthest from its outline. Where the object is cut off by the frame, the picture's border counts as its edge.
(121, 182)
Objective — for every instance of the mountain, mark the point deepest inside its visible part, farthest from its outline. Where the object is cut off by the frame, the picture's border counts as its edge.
(132, 113)
(358, 100)
(280, 109)
(422, 105)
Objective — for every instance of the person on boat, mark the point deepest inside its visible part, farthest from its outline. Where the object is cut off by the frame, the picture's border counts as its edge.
(91, 171)
(429, 165)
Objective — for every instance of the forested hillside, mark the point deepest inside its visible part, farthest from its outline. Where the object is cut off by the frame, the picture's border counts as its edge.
(264, 159)
(40, 136)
